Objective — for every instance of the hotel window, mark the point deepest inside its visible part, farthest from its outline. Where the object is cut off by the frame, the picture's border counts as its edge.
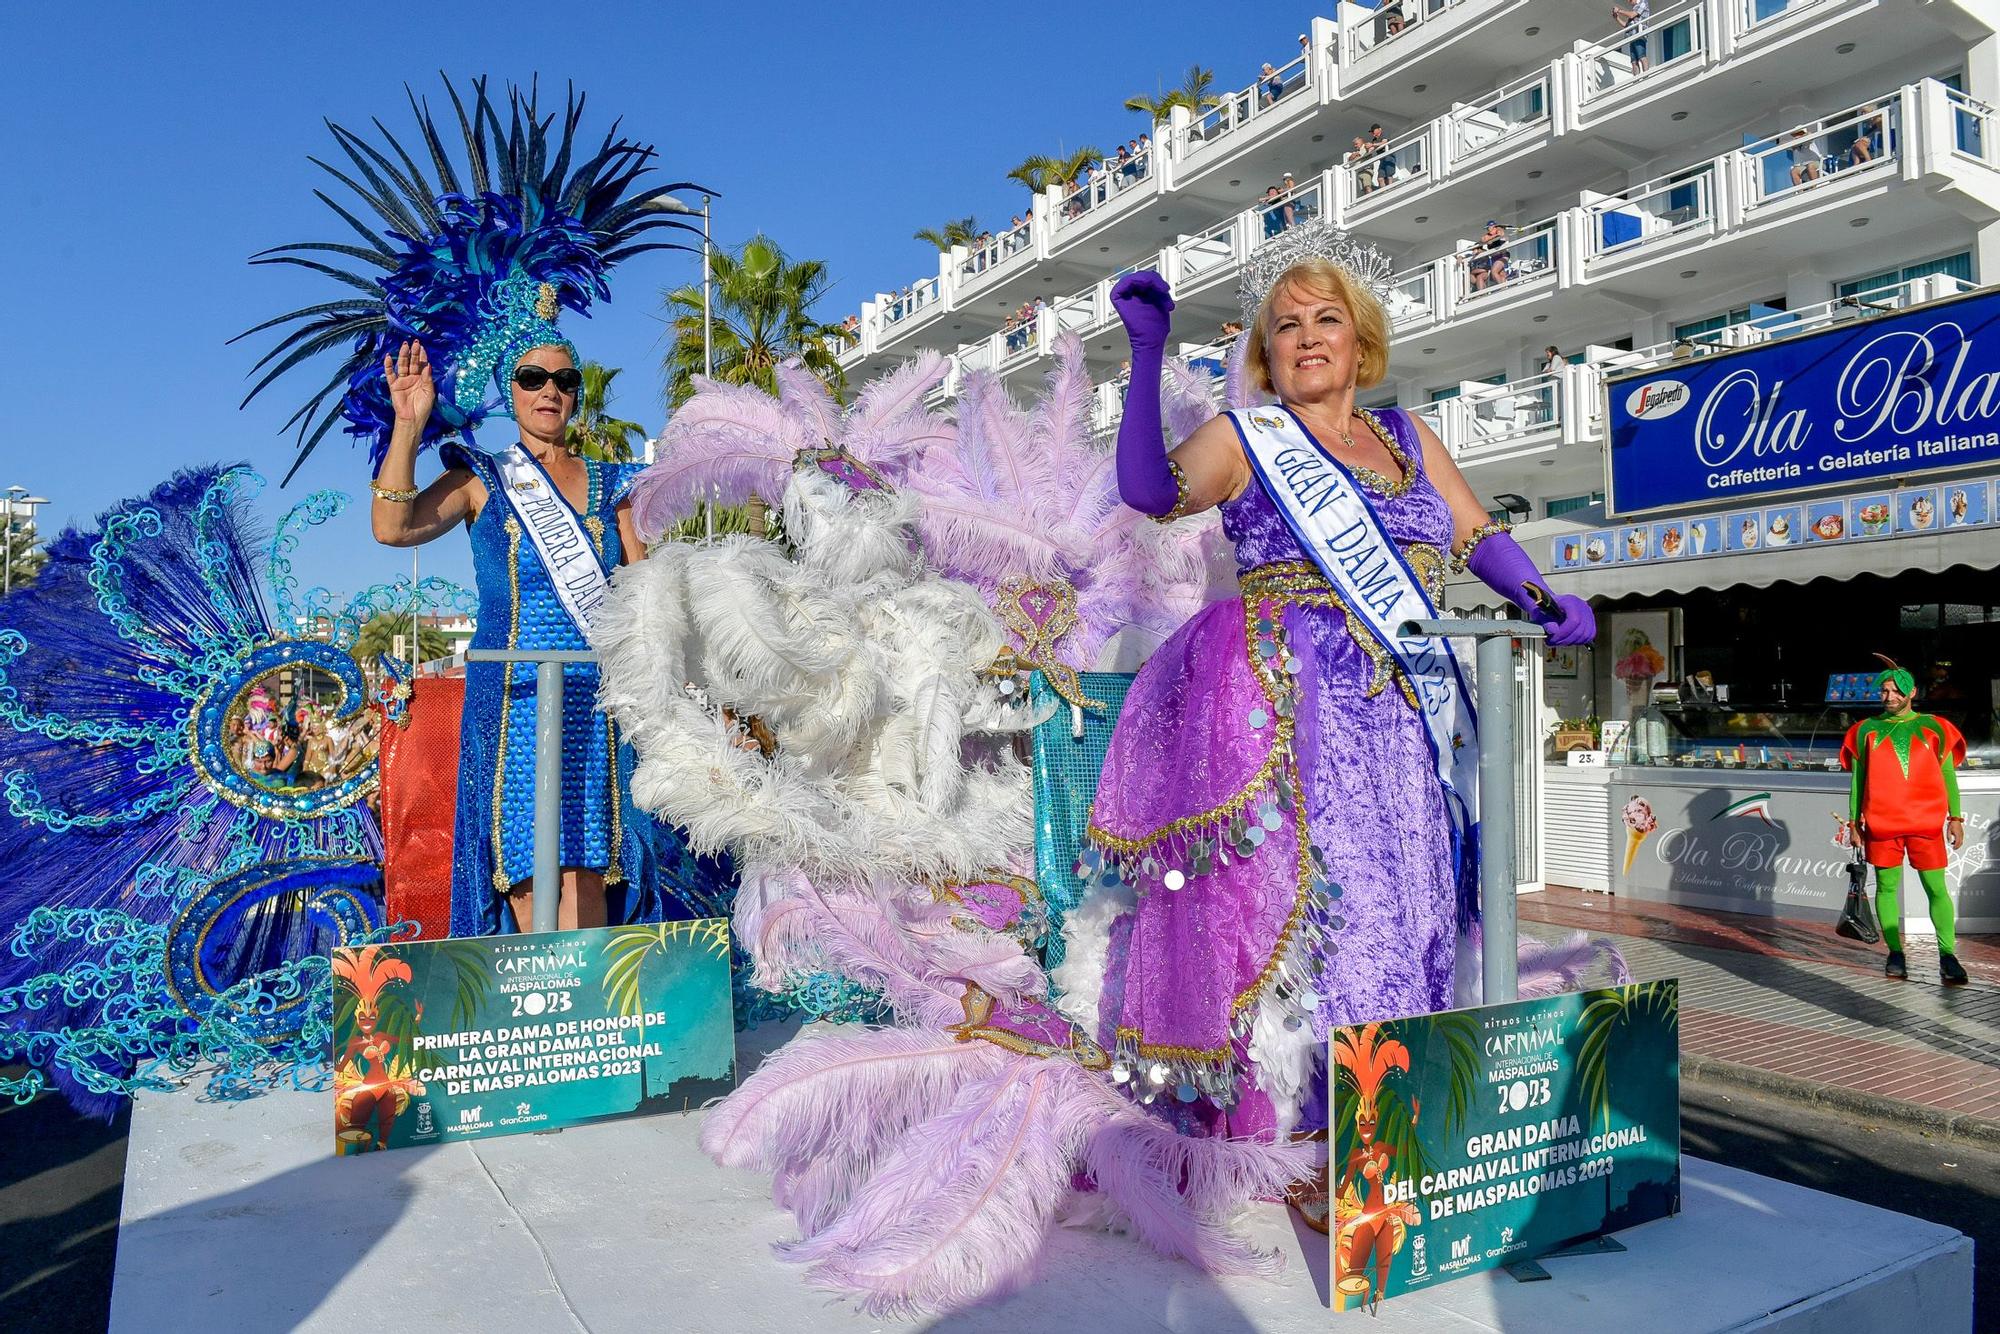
(1957, 266)
(1570, 504)
(1694, 330)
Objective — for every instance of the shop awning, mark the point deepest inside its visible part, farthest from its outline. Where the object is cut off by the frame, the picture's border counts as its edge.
(1973, 548)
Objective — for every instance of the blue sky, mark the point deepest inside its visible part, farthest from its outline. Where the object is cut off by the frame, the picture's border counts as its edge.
(155, 147)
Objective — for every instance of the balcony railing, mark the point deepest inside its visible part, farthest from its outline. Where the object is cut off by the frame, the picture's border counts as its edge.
(1104, 181)
(1484, 269)
(1244, 105)
(1651, 212)
(1504, 414)
(1521, 105)
(1811, 156)
(997, 251)
(1755, 12)
(1641, 51)
(907, 303)
(1972, 128)
(1389, 166)
(1412, 297)
(1221, 247)
(1392, 19)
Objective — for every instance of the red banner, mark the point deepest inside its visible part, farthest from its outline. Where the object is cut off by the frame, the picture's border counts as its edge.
(419, 802)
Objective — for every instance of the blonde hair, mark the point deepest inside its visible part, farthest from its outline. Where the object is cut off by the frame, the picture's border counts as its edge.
(1326, 281)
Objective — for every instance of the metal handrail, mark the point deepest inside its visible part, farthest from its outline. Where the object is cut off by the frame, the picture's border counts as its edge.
(549, 663)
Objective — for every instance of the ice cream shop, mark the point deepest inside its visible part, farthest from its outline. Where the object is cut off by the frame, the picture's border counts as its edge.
(1778, 521)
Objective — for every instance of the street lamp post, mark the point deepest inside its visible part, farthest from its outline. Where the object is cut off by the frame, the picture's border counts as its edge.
(17, 498)
(669, 204)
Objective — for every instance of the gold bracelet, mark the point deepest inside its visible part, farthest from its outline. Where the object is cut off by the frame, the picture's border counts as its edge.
(1463, 559)
(1181, 495)
(390, 493)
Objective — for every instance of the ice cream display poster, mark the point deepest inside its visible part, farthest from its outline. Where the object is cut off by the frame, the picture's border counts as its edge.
(1915, 512)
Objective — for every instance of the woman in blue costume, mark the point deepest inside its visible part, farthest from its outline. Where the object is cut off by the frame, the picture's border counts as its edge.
(604, 843)
(458, 324)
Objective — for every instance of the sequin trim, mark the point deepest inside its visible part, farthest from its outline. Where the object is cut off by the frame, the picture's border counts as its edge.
(512, 527)
(1375, 481)
(1180, 495)
(1463, 560)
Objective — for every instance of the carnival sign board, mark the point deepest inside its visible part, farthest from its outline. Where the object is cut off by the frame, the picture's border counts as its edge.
(1911, 393)
(435, 1041)
(1488, 1136)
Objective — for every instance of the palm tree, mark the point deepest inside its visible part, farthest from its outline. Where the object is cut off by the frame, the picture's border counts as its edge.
(1192, 94)
(761, 318)
(378, 636)
(959, 231)
(1033, 173)
(21, 555)
(594, 433)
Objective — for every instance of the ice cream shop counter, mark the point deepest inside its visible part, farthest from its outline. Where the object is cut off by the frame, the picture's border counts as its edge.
(1730, 835)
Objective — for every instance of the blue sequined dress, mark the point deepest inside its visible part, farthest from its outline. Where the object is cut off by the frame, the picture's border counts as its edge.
(493, 839)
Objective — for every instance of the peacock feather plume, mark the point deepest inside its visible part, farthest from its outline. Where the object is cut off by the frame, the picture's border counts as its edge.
(527, 208)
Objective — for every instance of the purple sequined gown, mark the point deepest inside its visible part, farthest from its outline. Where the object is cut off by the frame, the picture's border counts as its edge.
(1256, 712)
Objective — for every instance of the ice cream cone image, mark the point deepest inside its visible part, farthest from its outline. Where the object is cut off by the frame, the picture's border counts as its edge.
(1639, 822)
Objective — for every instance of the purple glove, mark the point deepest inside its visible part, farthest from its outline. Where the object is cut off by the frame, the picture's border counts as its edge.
(1145, 304)
(1503, 567)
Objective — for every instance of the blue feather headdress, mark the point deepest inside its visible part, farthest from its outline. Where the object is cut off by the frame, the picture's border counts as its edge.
(477, 269)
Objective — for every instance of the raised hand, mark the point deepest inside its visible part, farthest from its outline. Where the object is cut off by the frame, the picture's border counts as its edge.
(412, 390)
(1145, 303)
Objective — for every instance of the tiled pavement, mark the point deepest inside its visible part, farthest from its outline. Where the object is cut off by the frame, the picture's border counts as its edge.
(1758, 1008)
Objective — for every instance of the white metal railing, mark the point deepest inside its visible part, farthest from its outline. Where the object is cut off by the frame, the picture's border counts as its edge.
(1221, 246)
(1392, 19)
(1783, 323)
(1244, 105)
(1755, 12)
(1650, 212)
(1972, 126)
(1509, 412)
(1810, 155)
(1501, 115)
(1103, 181)
(1412, 296)
(1676, 33)
(1484, 268)
(1394, 162)
(899, 306)
(1082, 311)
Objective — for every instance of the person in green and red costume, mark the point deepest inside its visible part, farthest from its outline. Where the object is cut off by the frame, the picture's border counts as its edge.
(1902, 803)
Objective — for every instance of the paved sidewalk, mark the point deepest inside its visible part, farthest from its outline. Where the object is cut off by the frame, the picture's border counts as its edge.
(1778, 1008)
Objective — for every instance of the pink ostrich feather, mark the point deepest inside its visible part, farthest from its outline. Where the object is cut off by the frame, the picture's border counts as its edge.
(915, 953)
(805, 396)
(1188, 395)
(959, 1209)
(1549, 969)
(819, 1112)
(1179, 1192)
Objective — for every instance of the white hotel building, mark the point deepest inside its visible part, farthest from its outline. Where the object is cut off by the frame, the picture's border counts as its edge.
(1776, 166)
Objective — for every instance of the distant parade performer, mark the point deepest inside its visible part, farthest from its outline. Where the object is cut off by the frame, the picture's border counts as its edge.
(1903, 803)
(460, 324)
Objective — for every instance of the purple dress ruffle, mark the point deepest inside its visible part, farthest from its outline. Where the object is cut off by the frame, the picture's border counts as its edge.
(1256, 713)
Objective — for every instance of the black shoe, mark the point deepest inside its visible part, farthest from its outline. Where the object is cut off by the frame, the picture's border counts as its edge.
(1894, 967)
(1951, 970)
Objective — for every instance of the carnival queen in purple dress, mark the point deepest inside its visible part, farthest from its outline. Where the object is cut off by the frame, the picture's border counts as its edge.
(1283, 835)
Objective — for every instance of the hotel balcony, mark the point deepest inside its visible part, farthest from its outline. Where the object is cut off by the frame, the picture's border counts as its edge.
(1554, 123)
(1918, 163)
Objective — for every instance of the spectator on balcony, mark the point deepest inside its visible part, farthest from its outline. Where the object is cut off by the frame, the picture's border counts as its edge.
(1389, 19)
(851, 326)
(1355, 160)
(1634, 14)
(1143, 154)
(1806, 152)
(1232, 328)
(1486, 262)
(1378, 146)
(1270, 84)
(1276, 213)
(1862, 151)
(1552, 360)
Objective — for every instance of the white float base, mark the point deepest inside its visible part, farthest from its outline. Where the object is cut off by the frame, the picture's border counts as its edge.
(238, 1218)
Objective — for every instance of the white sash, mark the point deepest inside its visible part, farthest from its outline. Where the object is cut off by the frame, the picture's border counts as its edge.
(557, 534)
(1334, 522)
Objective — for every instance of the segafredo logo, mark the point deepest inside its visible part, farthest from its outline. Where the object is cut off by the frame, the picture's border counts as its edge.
(1656, 399)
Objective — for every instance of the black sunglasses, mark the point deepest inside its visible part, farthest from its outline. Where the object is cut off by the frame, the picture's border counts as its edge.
(531, 378)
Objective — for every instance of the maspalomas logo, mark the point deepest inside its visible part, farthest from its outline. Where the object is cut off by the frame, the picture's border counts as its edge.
(1656, 399)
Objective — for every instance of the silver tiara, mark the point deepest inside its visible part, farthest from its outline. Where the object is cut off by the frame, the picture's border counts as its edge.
(1307, 241)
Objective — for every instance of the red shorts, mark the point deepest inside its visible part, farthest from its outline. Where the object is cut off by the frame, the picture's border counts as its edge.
(1925, 851)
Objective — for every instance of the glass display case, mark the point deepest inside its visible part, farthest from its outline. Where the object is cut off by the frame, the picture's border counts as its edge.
(1731, 736)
